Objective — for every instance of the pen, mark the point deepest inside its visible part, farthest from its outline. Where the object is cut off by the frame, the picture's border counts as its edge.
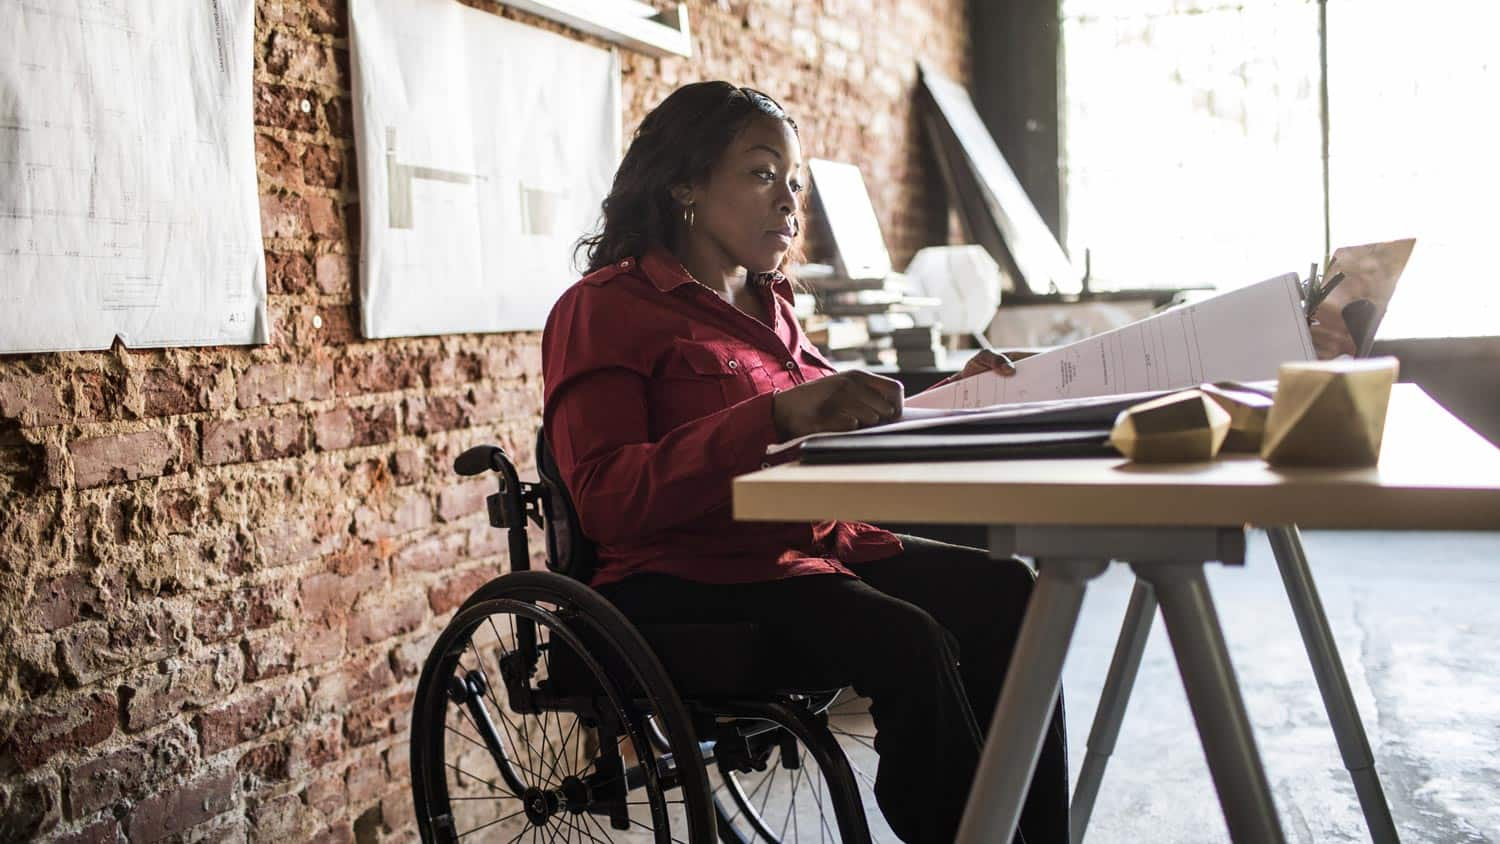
(1318, 294)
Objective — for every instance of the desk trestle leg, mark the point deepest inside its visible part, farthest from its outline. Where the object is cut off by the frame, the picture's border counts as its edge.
(1026, 702)
(1343, 715)
(1134, 631)
(1214, 696)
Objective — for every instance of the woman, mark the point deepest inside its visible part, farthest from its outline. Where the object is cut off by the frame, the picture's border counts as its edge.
(671, 367)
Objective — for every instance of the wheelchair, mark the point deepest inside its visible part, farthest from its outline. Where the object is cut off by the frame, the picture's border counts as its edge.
(543, 714)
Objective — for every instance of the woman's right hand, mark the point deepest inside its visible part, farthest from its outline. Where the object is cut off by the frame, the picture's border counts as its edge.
(841, 402)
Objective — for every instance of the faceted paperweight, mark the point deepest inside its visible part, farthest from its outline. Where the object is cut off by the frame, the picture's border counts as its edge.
(1180, 428)
(1247, 411)
(1329, 413)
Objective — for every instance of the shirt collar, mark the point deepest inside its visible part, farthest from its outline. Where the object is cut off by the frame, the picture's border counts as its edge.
(663, 270)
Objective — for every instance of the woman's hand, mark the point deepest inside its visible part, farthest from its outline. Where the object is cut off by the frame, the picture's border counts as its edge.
(1000, 363)
(1330, 336)
(841, 402)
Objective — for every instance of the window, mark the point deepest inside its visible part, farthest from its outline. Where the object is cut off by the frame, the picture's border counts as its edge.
(1193, 145)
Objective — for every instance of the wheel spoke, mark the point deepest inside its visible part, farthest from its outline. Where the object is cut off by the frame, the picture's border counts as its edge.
(489, 823)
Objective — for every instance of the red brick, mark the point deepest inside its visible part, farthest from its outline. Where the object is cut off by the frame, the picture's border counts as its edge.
(62, 600)
(315, 745)
(182, 808)
(489, 403)
(322, 642)
(279, 383)
(323, 166)
(277, 818)
(152, 697)
(413, 511)
(370, 721)
(436, 413)
(32, 401)
(450, 370)
(381, 373)
(396, 810)
(330, 593)
(29, 808)
(288, 272)
(117, 458)
(324, 218)
(66, 724)
(345, 427)
(259, 438)
(396, 615)
(280, 106)
(135, 636)
(261, 712)
(339, 325)
(434, 553)
(407, 466)
(328, 794)
(268, 655)
(366, 779)
(266, 763)
(464, 498)
(333, 273)
(167, 392)
(408, 656)
(283, 216)
(300, 61)
(253, 608)
(455, 589)
(106, 831)
(488, 541)
(285, 541)
(130, 771)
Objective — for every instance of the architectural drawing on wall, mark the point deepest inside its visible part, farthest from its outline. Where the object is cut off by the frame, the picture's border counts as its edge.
(485, 148)
(127, 176)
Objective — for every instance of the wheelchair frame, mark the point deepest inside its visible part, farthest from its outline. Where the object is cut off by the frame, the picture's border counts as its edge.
(737, 732)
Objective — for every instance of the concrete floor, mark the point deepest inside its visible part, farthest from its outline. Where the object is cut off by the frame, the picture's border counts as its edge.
(1416, 623)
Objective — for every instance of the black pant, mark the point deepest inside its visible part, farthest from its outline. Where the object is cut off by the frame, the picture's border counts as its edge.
(926, 636)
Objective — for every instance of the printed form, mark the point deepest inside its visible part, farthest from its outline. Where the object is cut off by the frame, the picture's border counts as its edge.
(1240, 335)
(128, 198)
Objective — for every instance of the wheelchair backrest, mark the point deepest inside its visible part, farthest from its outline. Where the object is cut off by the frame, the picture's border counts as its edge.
(569, 552)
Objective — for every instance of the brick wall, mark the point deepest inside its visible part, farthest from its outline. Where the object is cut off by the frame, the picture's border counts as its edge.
(221, 568)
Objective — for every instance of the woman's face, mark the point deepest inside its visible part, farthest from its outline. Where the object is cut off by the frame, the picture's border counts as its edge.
(746, 210)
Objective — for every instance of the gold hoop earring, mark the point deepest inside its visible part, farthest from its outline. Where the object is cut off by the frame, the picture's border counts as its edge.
(688, 215)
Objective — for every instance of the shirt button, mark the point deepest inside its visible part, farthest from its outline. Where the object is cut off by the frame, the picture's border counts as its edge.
(790, 366)
(625, 264)
(734, 364)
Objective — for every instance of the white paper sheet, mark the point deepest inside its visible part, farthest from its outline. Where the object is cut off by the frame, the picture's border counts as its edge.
(128, 202)
(485, 149)
(1241, 335)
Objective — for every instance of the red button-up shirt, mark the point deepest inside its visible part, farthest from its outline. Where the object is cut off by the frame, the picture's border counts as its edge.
(658, 393)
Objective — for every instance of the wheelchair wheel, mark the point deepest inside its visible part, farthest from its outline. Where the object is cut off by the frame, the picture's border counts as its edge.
(534, 720)
(790, 799)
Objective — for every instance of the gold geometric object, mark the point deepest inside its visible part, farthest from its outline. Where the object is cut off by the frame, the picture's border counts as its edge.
(1247, 414)
(1182, 427)
(1329, 413)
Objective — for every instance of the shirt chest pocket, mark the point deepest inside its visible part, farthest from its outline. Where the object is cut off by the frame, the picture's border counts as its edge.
(738, 372)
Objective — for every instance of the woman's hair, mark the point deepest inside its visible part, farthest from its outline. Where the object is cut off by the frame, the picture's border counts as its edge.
(679, 142)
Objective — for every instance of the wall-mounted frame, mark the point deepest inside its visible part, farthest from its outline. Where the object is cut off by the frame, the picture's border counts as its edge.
(630, 24)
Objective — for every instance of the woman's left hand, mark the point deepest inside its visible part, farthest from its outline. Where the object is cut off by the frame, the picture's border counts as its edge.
(1000, 363)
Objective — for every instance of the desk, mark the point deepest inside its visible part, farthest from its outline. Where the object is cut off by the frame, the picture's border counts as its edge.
(1075, 515)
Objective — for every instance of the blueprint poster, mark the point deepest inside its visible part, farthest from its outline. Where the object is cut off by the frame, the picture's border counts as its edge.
(128, 201)
(485, 148)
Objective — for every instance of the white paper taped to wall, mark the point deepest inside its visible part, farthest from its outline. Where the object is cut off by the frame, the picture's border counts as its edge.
(127, 176)
(1241, 335)
(485, 149)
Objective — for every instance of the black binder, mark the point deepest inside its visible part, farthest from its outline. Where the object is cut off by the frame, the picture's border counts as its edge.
(949, 444)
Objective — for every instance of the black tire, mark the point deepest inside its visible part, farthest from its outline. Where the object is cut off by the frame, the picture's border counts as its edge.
(486, 783)
(782, 804)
